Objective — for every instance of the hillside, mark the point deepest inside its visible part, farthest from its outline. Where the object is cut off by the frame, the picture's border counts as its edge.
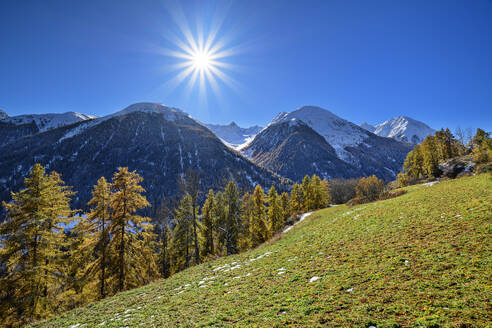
(419, 260)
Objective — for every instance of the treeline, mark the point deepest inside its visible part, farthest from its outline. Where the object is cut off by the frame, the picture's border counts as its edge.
(423, 161)
(54, 258)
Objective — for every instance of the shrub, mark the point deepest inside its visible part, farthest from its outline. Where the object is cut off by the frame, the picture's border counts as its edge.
(369, 189)
(342, 190)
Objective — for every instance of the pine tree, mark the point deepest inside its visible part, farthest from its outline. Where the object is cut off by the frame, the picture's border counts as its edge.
(162, 220)
(258, 227)
(93, 231)
(220, 214)
(275, 219)
(32, 240)
(233, 218)
(191, 187)
(182, 235)
(132, 233)
(296, 198)
(207, 231)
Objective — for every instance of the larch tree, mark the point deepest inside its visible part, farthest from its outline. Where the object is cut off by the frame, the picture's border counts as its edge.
(132, 233)
(258, 227)
(285, 205)
(247, 215)
(32, 240)
(296, 198)
(307, 193)
(93, 231)
(275, 219)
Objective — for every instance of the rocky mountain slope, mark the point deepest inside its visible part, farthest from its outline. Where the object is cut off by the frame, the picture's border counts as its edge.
(402, 128)
(158, 141)
(233, 134)
(293, 149)
(366, 152)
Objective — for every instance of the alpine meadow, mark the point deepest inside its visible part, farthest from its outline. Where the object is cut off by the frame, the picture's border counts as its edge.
(320, 163)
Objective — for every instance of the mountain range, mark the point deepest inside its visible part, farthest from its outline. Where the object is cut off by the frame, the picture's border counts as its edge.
(401, 128)
(162, 142)
(234, 135)
(159, 142)
(331, 147)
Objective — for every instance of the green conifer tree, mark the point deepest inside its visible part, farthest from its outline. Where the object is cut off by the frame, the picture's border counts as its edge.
(233, 217)
(182, 235)
(207, 231)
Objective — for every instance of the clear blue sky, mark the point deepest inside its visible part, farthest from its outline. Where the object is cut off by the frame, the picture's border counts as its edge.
(363, 60)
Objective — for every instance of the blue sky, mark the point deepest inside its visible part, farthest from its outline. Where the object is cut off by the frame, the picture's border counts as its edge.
(363, 60)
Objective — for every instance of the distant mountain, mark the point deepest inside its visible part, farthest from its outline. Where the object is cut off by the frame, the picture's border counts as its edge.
(3, 115)
(45, 122)
(404, 129)
(233, 134)
(159, 142)
(368, 127)
(361, 149)
(14, 127)
(292, 149)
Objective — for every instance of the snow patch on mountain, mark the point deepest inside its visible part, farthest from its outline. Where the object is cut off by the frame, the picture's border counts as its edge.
(169, 113)
(233, 135)
(3, 115)
(339, 133)
(404, 129)
(49, 121)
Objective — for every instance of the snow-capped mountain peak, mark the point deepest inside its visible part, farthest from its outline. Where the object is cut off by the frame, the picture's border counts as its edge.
(170, 113)
(404, 128)
(339, 133)
(48, 121)
(234, 135)
(3, 115)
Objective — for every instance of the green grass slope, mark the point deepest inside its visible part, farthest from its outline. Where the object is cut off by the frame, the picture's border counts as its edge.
(420, 260)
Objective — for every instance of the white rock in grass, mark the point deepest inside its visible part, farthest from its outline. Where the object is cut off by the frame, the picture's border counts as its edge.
(281, 272)
(203, 286)
(281, 269)
(313, 279)
(350, 289)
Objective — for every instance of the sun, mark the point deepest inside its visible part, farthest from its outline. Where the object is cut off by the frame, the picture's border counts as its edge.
(202, 54)
(201, 60)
